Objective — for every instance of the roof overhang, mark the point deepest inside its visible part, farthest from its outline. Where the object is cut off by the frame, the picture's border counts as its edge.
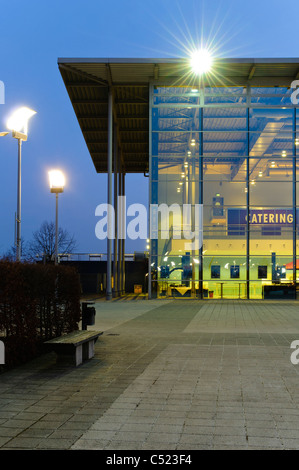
(88, 80)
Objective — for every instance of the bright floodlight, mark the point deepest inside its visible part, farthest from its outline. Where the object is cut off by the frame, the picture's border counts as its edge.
(57, 181)
(201, 61)
(18, 121)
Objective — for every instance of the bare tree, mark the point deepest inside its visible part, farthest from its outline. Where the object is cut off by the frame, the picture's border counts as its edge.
(43, 242)
(10, 255)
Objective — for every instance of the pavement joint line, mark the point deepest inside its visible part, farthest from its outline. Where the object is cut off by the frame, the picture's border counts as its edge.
(172, 361)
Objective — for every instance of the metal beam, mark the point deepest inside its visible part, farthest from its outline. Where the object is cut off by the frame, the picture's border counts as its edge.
(104, 117)
(251, 72)
(85, 75)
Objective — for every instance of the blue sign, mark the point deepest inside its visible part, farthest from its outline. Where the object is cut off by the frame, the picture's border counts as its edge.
(270, 220)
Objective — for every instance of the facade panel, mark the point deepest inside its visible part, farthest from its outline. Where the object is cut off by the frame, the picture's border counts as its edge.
(232, 150)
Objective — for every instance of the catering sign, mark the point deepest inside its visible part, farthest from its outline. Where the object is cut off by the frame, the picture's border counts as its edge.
(266, 218)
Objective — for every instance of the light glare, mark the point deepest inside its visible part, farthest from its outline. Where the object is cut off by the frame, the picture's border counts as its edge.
(18, 121)
(57, 179)
(201, 61)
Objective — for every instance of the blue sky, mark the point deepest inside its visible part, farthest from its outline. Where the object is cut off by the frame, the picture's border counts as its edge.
(33, 35)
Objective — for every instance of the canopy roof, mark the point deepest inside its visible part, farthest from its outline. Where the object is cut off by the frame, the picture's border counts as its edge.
(88, 80)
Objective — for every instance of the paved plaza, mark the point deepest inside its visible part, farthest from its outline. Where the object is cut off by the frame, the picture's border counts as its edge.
(169, 375)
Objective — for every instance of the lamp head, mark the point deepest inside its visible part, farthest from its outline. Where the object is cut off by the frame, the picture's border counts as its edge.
(18, 122)
(57, 181)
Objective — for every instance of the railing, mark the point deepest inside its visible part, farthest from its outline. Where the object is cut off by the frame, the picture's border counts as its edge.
(91, 257)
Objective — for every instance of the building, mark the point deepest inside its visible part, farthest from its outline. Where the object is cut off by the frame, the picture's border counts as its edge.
(225, 141)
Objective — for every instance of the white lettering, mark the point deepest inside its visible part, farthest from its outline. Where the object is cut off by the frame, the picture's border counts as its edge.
(2, 353)
(294, 358)
(294, 95)
(139, 221)
(2, 93)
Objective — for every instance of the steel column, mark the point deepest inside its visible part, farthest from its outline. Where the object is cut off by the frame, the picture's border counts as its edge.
(115, 263)
(294, 201)
(110, 221)
(248, 213)
(200, 165)
(123, 265)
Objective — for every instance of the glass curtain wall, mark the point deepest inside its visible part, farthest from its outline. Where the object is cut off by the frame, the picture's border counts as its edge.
(232, 150)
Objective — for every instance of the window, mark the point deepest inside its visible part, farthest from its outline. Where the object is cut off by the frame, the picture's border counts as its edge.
(235, 271)
(215, 272)
(262, 272)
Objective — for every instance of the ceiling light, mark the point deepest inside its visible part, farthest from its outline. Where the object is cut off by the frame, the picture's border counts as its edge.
(201, 61)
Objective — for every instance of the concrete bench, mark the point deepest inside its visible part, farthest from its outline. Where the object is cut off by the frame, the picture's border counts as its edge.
(78, 345)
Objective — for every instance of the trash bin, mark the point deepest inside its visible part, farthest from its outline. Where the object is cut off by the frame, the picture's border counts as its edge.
(137, 289)
(211, 294)
(88, 314)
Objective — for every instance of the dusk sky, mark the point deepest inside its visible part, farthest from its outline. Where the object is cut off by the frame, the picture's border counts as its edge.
(35, 33)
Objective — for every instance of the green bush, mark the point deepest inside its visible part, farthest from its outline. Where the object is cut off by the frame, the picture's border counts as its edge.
(37, 302)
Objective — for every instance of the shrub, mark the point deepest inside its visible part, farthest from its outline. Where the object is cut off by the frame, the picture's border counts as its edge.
(37, 302)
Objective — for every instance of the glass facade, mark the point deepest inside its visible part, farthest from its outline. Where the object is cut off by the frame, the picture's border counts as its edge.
(231, 150)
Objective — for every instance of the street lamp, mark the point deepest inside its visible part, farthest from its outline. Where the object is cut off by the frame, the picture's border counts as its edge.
(18, 124)
(57, 183)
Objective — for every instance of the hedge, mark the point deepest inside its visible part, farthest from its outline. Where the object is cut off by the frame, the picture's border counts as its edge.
(37, 302)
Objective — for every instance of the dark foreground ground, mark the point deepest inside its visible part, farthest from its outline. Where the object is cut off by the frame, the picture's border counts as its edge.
(169, 375)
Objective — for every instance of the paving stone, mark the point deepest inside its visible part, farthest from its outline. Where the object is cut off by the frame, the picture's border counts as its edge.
(178, 375)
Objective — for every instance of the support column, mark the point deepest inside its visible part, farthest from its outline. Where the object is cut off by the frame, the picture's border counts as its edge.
(294, 203)
(248, 213)
(115, 261)
(19, 246)
(110, 221)
(119, 251)
(123, 250)
(200, 201)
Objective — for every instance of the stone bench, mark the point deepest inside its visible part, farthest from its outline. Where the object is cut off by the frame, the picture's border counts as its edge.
(78, 345)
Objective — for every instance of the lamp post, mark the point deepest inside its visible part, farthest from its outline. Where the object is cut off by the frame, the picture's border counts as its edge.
(57, 183)
(18, 124)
